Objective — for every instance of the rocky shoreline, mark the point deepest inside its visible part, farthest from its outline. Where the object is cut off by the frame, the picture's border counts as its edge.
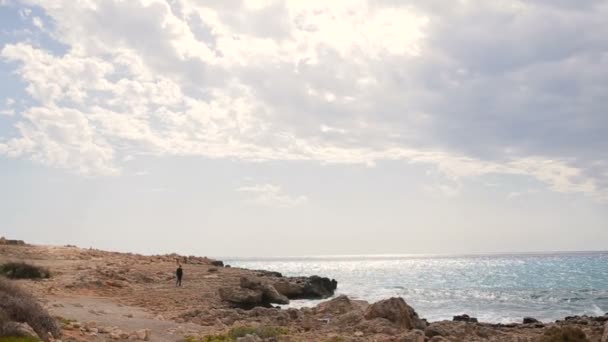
(101, 296)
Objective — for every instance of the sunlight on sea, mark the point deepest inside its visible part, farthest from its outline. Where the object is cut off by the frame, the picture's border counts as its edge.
(494, 288)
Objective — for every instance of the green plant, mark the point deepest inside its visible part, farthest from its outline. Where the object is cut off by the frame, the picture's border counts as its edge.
(19, 339)
(565, 334)
(262, 331)
(235, 333)
(21, 270)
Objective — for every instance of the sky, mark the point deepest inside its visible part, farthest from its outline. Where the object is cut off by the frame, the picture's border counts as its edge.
(286, 128)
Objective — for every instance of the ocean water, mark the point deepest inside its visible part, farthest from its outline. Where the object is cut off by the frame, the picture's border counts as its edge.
(493, 288)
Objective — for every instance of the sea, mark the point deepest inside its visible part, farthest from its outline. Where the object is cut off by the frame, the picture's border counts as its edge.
(494, 288)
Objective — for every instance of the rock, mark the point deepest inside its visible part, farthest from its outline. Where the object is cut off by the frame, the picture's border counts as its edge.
(339, 305)
(20, 329)
(143, 334)
(397, 311)
(530, 320)
(464, 318)
(414, 336)
(240, 297)
(313, 287)
(217, 263)
(605, 334)
(269, 293)
(212, 269)
(249, 338)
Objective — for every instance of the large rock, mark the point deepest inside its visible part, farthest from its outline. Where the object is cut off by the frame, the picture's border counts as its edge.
(241, 298)
(464, 318)
(313, 287)
(339, 305)
(397, 311)
(269, 294)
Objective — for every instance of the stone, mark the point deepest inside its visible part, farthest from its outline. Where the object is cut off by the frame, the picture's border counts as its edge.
(249, 338)
(397, 311)
(414, 336)
(339, 305)
(143, 334)
(313, 287)
(240, 297)
(605, 334)
(530, 320)
(269, 293)
(464, 318)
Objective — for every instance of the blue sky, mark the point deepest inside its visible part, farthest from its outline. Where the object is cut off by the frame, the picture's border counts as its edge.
(289, 128)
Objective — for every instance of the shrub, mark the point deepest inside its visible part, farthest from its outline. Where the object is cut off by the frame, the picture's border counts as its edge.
(263, 332)
(21, 270)
(235, 333)
(17, 305)
(18, 339)
(565, 334)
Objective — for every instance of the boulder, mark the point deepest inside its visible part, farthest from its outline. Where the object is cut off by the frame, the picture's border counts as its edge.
(269, 293)
(413, 336)
(530, 320)
(339, 305)
(396, 311)
(217, 263)
(313, 287)
(241, 297)
(464, 318)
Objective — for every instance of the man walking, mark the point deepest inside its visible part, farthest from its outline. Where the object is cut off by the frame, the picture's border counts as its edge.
(179, 273)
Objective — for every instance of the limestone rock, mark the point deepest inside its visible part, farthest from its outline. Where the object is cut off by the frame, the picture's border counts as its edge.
(397, 311)
(269, 293)
(530, 320)
(143, 334)
(464, 318)
(313, 287)
(240, 297)
(339, 305)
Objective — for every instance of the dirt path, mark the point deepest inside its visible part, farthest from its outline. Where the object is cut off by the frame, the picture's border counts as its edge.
(107, 313)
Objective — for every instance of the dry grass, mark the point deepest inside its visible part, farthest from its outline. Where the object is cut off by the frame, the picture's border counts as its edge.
(19, 306)
(565, 334)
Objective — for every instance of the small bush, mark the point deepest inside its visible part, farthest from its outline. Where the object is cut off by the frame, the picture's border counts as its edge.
(19, 306)
(565, 334)
(21, 270)
(19, 339)
(235, 333)
(263, 332)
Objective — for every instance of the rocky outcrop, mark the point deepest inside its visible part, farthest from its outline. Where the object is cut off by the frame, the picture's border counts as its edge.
(313, 287)
(269, 294)
(337, 306)
(396, 311)
(530, 320)
(242, 298)
(252, 293)
(464, 318)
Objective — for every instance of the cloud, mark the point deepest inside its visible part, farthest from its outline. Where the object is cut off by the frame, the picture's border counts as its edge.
(272, 196)
(472, 89)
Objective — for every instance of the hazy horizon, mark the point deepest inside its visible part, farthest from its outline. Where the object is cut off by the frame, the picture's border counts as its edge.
(289, 128)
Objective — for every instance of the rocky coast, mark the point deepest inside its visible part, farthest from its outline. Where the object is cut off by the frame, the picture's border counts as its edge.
(103, 296)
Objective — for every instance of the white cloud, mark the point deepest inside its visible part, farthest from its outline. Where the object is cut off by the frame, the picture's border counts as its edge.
(36, 21)
(272, 196)
(331, 82)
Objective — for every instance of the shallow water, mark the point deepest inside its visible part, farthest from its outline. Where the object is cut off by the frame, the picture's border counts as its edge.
(494, 288)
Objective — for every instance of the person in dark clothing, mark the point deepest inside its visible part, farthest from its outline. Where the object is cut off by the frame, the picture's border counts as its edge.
(179, 273)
